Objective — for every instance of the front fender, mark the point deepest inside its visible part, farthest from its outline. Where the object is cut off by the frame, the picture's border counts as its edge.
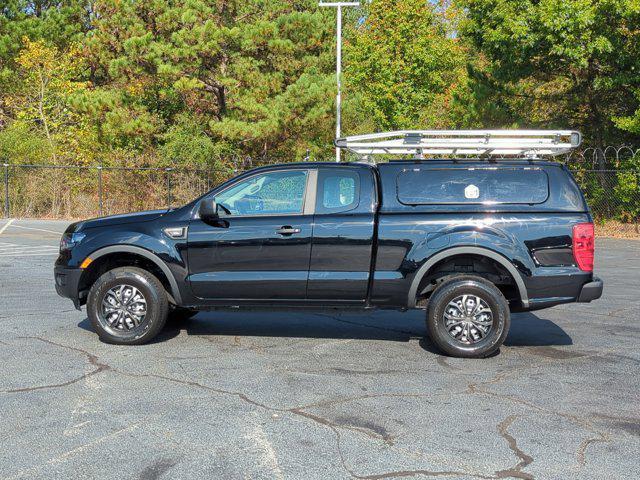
(149, 242)
(175, 290)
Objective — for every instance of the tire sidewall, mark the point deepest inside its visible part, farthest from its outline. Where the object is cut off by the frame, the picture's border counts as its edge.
(487, 292)
(154, 298)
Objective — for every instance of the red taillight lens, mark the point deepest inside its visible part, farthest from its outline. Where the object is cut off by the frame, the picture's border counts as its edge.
(583, 246)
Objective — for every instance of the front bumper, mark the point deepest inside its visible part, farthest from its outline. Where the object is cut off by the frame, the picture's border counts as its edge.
(67, 283)
(591, 291)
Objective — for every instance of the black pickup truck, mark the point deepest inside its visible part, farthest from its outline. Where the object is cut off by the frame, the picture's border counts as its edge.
(468, 241)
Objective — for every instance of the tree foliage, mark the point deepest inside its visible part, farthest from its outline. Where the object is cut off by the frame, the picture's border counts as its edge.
(571, 63)
(196, 83)
(406, 67)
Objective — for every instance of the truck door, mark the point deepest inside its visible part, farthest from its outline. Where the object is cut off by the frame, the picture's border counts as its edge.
(260, 249)
(343, 234)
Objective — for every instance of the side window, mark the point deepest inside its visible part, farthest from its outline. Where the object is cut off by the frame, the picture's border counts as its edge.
(481, 186)
(338, 190)
(273, 193)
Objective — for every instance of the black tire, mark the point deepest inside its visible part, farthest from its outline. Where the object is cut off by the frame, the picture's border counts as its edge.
(180, 314)
(153, 293)
(448, 292)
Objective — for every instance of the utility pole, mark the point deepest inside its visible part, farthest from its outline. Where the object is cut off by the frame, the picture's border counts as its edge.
(339, 6)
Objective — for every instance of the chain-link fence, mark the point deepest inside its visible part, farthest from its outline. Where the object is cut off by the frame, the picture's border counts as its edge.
(610, 180)
(64, 191)
(614, 199)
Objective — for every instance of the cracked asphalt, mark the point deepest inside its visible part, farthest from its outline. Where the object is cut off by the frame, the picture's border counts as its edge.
(314, 395)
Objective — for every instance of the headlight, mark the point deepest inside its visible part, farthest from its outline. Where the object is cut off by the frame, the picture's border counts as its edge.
(70, 240)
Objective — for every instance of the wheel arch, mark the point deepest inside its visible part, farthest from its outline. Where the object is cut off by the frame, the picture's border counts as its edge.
(479, 251)
(146, 254)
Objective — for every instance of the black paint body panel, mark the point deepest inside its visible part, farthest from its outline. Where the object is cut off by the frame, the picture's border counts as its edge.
(370, 255)
(247, 259)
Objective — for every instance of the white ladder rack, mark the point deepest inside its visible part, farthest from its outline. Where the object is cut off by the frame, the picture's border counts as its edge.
(480, 143)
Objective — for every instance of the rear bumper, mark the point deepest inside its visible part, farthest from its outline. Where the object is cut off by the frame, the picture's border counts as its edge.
(566, 289)
(591, 291)
(67, 282)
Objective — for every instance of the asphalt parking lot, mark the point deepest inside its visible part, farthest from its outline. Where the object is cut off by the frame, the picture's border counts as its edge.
(314, 395)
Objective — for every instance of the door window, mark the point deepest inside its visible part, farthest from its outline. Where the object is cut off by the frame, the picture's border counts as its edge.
(338, 191)
(272, 193)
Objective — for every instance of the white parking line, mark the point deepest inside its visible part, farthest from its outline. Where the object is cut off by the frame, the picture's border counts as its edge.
(4, 227)
(13, 246)
(14, 250)
(29, 254)
(19, 250)
(33, 228)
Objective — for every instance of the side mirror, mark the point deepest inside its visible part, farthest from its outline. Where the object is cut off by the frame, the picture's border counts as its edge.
(208, 210)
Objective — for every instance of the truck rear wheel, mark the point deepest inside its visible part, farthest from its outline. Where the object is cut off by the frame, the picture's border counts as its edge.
(127, 306)
(467, 316)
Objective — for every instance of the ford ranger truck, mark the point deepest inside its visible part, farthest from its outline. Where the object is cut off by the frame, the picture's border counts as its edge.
(466, 241)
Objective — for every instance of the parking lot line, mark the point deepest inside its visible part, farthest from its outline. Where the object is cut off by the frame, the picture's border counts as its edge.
(37, 229)
(6, 225)
(21, 250)
(39, 251)
(26, 248)
(24, 254)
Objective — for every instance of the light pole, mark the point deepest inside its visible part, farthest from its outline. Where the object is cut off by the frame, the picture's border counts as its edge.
(339, 6)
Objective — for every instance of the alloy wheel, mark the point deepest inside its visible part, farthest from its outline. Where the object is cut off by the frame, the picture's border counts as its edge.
(123, 309)
(468, 319)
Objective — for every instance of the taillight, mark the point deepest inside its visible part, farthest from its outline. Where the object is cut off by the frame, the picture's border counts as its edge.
(583, 246)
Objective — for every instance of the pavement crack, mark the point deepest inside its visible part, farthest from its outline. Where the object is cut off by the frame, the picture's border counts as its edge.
(598, 436)
(368, 431)
(245, 398)
(365, 396)
(516, 471)
(582, 448)
(379, 476)
(299, 411)
(422, 473)
(335, 427)
(93, 360)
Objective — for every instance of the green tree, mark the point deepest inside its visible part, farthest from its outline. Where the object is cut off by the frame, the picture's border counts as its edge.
(406, 68)
(254, 74)
(631, 122)
(573, 63)
(40, 102)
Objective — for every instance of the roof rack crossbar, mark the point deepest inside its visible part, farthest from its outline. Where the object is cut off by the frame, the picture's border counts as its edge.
(491, 143)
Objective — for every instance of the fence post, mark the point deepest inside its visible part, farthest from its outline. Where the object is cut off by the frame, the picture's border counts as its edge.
(168, 170)
(6, 189)
(100, 190)
(638, 200)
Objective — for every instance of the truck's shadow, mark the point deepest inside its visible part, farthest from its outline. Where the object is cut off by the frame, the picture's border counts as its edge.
(527, 329)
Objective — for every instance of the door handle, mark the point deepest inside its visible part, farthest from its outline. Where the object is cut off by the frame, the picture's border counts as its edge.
(287, 230)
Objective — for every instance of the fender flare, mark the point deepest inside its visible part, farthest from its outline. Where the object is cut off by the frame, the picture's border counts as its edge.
(175, 291)
(485, 252)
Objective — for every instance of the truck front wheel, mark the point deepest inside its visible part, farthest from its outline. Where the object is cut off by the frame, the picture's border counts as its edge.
(467, 316)
(127, 306)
